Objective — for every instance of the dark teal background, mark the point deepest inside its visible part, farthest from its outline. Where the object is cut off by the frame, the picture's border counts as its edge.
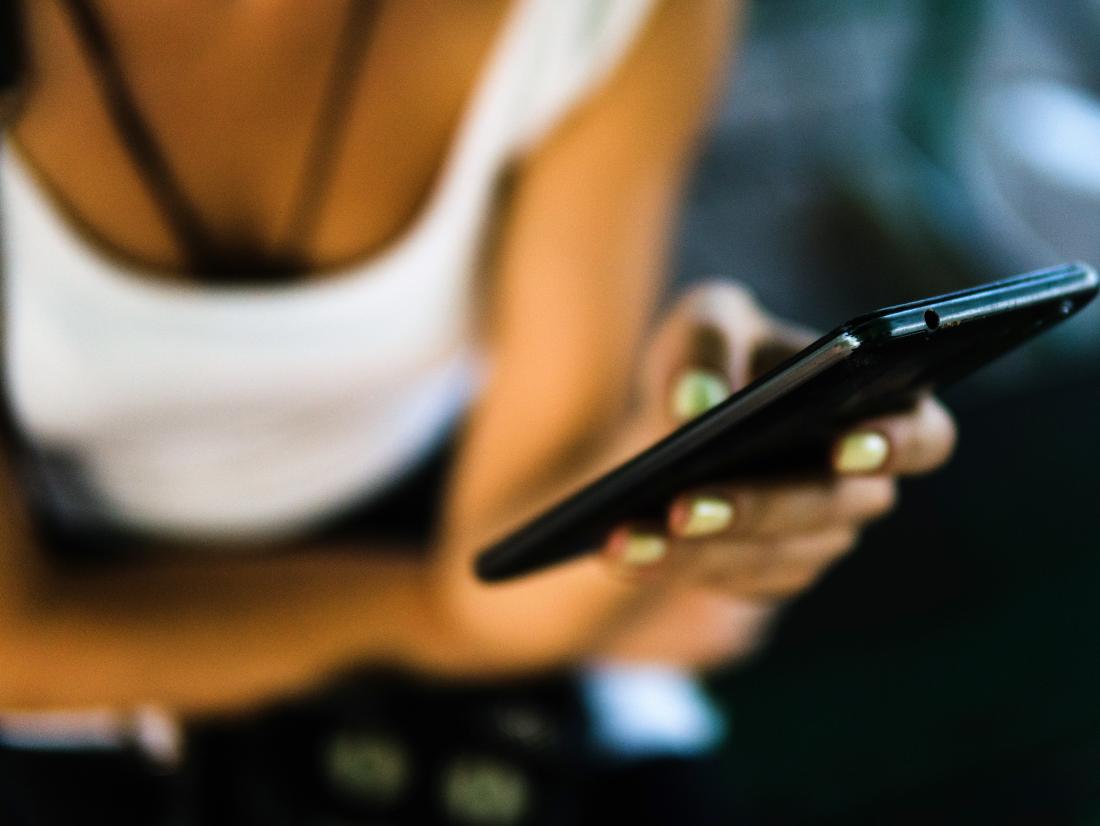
(949, 670)
(950, 667)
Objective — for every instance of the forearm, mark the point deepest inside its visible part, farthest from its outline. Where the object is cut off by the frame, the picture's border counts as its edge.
(581, 264)
(209, 633)
(553, 617)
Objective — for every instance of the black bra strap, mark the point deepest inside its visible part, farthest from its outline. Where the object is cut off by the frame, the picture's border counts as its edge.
(347, 66)
(182, 218)
(12, 50)
(204, 253)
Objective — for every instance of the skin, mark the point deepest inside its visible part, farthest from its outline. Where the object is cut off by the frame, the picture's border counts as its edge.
(580, 379)
(715, 591)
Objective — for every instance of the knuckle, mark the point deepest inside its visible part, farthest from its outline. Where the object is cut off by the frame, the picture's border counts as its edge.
(882, 497)
(721, 287)
(865, 497)
(950, 437)
(702, 295)
(716, 296)
(725, 564)
(827, 546)
(936, 435)
(847, 494)
(786, 583)
(746, 511)
(844, 540)
(804, 578)
(761, 557)
(927, 442)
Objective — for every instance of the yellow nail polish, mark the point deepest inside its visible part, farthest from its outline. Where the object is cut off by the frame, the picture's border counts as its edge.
(707, 515)
(861, 452)
(644, 549)
(697, 391)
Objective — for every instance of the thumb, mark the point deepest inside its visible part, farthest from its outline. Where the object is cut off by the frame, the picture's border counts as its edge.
(701, 352)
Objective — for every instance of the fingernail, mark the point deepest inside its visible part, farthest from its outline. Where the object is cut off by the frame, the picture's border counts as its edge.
(706, 515)
(697, 391)
(644, 549)
(862, 451)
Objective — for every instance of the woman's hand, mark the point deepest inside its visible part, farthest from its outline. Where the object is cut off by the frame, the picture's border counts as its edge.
(729, 550)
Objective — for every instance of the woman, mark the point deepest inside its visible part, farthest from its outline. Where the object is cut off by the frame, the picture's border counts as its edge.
(256, 264)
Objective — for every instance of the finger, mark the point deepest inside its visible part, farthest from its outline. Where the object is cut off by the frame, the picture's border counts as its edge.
(782, 585)
(780, 509)
(770, 569)
(702, 350)
(912, 443)
(637, 551)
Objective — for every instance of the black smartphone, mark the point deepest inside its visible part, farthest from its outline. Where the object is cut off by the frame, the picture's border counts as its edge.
(788, 418)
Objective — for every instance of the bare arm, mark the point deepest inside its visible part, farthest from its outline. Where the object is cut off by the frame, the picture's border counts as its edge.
(195, 634)
(582, 261)
(581, 266)
(580, 270)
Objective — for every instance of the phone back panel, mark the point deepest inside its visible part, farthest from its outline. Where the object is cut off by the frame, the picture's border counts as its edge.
(785, 421)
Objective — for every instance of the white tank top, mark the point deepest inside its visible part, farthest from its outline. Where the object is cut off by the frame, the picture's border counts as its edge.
(256, 412)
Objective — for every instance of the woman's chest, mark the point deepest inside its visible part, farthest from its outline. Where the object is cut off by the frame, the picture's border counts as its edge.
(247, 102)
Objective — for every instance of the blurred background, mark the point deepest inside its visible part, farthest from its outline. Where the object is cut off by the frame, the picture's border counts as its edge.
(870, 152)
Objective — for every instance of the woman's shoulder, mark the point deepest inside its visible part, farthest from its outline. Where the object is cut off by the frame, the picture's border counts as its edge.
(580, 44)
(585, 44)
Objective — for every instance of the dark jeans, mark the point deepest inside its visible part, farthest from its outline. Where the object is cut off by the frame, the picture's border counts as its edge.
(370, 749)
(377, 750)
(46, 787)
